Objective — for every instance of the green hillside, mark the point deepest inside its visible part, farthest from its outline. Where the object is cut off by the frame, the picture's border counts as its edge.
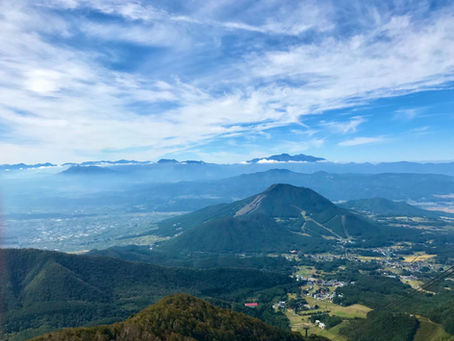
(382, 326)
(180, 317)
(281, 218)
(172, 226)
(258, 233)
(385, 207)
(43, 290)
(141, 253)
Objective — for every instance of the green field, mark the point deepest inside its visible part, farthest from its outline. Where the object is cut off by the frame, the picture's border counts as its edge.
(306, 271)
(298, 322)
(352, 311)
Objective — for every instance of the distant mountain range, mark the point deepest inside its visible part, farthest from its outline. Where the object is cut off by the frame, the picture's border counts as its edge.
(173, 161)
(101, 163)
(19, 166)
(107, 163)
(281, 218)
(88, 170)
(287, 158)
(189, 169)
(180, 317)
(393, 186)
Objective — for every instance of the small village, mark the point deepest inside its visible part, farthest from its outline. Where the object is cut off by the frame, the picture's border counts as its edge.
(315, 308)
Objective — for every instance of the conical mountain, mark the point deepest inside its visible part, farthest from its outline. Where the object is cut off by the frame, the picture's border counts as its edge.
(286, 201)
(281, 218)
(180, 317)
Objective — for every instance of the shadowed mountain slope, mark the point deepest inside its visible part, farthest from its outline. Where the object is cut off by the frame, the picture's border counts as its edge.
(258, 233)
(281, 218)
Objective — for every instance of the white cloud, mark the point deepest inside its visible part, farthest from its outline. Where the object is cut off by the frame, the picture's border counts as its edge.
(344, 127)
(157, 34)
(43, 82)
(360, 140)
(60, 102)
(393, 58)
(421, 131)
(292, 20)
(407, 114)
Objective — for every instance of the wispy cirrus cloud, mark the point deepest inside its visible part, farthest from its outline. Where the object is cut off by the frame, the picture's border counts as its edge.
(116, 79)
(360, 140)
(344, 127)
(393, 59)
(408, 114)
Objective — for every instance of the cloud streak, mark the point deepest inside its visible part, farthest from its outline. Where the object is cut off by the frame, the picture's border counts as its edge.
(344, 127)
(144, 81)
(361, 140)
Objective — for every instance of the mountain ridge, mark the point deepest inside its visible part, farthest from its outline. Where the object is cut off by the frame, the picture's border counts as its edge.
(284, 157)
(180, 317)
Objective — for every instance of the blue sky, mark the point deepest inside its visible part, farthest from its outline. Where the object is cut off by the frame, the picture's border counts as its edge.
(226, 81)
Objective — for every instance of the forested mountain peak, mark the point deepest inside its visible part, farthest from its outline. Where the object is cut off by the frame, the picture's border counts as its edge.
(180, 317)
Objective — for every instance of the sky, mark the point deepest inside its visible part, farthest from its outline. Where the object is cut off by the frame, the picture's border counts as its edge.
(226, 81)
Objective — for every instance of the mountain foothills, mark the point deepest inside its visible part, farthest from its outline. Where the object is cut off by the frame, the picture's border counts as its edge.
(385, 207)
(181, 317)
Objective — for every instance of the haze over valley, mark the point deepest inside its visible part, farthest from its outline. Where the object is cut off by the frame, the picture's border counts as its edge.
(98, 204)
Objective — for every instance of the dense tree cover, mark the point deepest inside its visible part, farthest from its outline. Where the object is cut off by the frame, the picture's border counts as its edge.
(252, 234)
(264, 310)
(265, 299)
(144, 254)
(382, 326)
(370, 290)
(439, 307)
(389, 295)
(297, 304)
(329, 320)
(180, 317)
(43, 288)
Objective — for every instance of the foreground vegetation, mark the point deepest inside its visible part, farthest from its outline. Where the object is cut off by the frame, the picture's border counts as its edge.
(181, 317)
(43, 290)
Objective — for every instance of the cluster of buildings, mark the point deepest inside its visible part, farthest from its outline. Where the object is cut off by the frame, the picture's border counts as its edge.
(281, 305)
(319, 324)
(320, 289)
